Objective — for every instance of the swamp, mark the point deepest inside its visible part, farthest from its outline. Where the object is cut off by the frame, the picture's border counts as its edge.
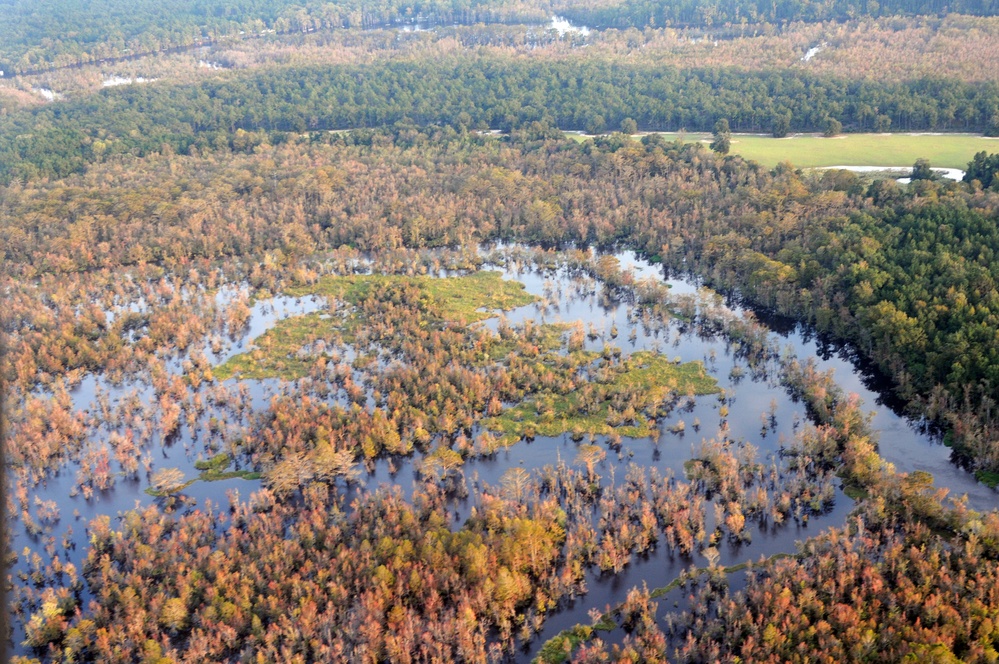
(579, 424)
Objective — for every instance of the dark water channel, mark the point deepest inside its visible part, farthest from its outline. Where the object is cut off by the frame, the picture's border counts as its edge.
(909, 445)
(751, 400)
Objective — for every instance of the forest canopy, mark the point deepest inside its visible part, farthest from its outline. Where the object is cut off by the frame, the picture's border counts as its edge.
(395, 366)
(60, 33)
(707, 13)
(470, 92)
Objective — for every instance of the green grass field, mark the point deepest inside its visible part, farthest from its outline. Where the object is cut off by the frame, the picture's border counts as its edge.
(810, 150)
(944, 151)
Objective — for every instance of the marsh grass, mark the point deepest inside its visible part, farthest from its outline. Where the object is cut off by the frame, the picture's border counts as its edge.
(214, 469)
(282, 351)
(648, 377)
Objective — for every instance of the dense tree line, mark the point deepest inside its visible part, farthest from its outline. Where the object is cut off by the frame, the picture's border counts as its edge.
(707, 13)
(61, 34)
(476, 92)
(911, 280)
(984, 169)
(885, 50)
(64, 33)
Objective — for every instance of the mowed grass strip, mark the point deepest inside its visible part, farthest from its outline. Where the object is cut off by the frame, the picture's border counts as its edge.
(813, 151)
(808, 151)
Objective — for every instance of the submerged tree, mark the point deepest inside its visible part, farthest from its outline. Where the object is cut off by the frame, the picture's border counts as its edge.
(590, 456)
(168, 481)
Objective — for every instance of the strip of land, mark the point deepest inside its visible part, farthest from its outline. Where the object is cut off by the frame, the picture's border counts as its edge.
(887, 150)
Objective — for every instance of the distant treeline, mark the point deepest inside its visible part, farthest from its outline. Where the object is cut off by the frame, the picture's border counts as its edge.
(59, 33)
(473, 92)
(707, 13)
(64, 32)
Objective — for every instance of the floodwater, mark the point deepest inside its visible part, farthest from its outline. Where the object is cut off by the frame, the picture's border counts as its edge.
(813, 51)
(955, 174)
(564, 27)
(115, 80)
(565, 298)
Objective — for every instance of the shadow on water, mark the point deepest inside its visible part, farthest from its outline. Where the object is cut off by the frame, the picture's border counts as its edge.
(661, 566)
(910, 444)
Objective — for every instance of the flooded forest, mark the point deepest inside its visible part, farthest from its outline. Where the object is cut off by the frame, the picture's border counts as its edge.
(448, 389)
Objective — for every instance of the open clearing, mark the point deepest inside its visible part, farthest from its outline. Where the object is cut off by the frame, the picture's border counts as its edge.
(810, 150)
(943, 150)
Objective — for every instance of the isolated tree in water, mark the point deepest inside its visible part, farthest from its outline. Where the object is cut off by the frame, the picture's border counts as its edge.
(168, 481)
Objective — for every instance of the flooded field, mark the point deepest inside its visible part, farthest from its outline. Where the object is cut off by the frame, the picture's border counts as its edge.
(177, 437)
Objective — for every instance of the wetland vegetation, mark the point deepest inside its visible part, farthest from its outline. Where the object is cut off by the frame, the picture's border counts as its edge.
(428, 384)
(325, 343)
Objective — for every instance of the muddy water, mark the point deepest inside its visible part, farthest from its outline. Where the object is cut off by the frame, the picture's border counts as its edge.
(564, 299)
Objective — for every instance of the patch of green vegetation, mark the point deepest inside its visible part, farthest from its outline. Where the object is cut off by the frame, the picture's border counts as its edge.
(459, 299)
(988, 477)
(214, 469)
(657, 376)
(352, 288)
(215, 476)
(813, 151)
(544, 338)
(278, 352)
(646, 378)
(605, 624)
(558, 648)
(553, 415)
(362, 362)
(150, 491)
(854, 492)
(218, 462)
(463, 298)
(661, 592)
